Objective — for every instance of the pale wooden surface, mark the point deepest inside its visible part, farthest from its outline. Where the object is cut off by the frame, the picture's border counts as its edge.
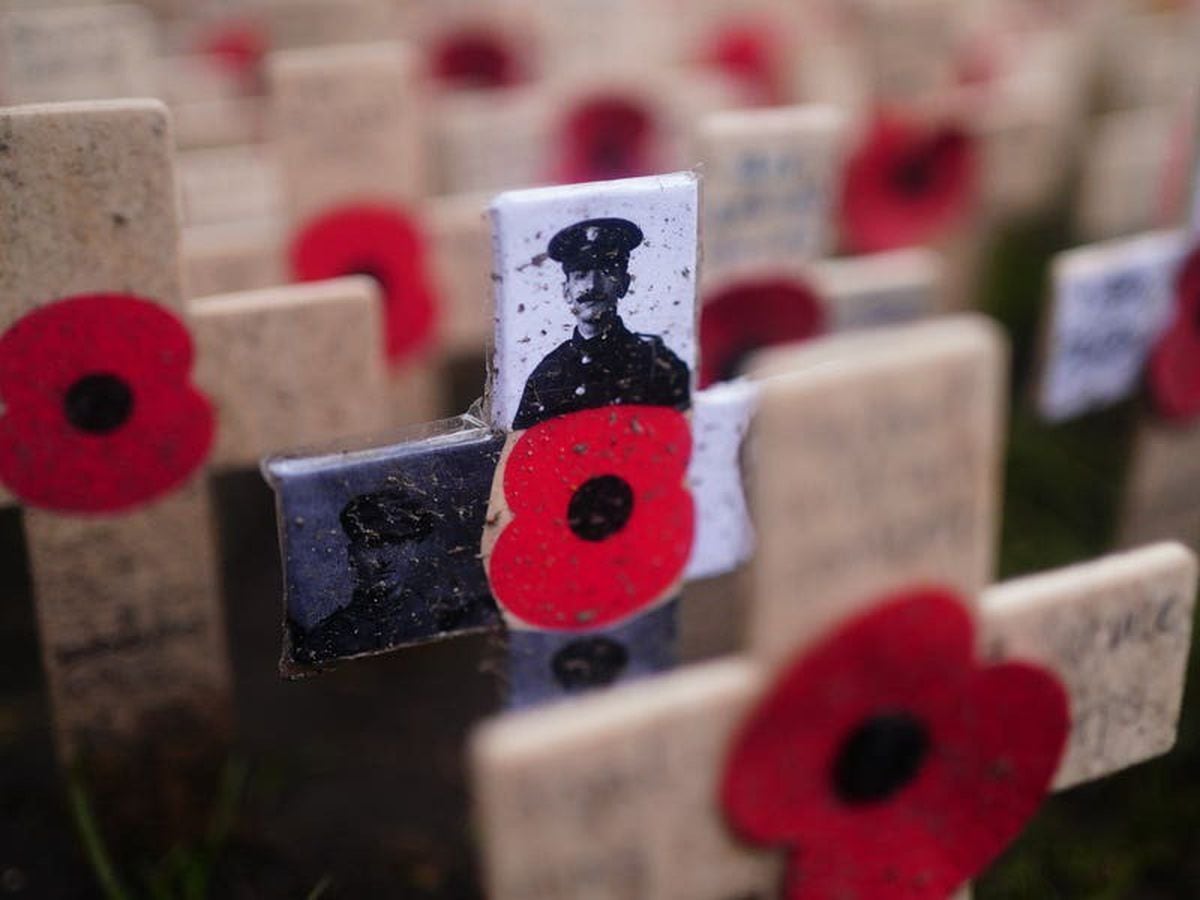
(582, 36)
(1150, 57)
(88, 51)
(219, 122)
(880, 288)
(906, 48)
(770, 177)
(130, 619)
(1030, 118)
(228, 185)
(1161, 499)
(290, 366)
(131, 623)
(347, 122)
(87, 204)
(223, 259)
(1125, 167)
(316, 23)
(1116, 632)
(491, 140)
(460, 245)
(614, 797)
(890, 480)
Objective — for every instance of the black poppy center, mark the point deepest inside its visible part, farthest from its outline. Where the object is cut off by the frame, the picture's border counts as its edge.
(475, 60)
(98, 403)
(610, 152)
(880, 757)
(914, 175)
(600, 507)
(589, 663)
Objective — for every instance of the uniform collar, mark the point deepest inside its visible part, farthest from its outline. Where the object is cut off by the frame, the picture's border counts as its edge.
(617, 331)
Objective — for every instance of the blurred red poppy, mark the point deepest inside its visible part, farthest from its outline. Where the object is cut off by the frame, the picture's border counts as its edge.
(889, 762)
(906, 185)
(387, 245)
(607, 137)
(240, 46)
(98, 412)
(602, 520)
(475, 57)
(750, 55)
(1174, 368)
(751, 315)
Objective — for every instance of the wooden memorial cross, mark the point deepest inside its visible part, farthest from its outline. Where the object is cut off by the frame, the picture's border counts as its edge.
(892, 722)
(1129, 163)
(103, 441)
(1125, 313)
(382, 544)
(770, 183)
(348, 125)
(105, 438)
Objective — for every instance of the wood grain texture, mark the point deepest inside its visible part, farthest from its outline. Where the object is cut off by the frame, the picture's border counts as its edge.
(130, 623)
(614, 797)
(880, 288)
(87, 204)
(769, 182)
(460, 244)
(130, 620)
(96, 51)
(1117, 633)
(347, 122)
(1161, 499)
(226, 259)
(291, 366)
(876, 467)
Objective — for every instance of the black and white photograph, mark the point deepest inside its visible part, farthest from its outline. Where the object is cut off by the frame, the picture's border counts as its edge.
(597, 309)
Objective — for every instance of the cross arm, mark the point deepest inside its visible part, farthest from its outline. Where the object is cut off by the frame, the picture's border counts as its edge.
(381, 545)
(292, 365)
(1117, 633)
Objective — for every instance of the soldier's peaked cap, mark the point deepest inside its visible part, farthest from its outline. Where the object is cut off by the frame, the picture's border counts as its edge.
(389, 516)
(595, 244)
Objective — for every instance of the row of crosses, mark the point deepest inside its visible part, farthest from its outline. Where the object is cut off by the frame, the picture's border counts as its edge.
(90, 202)
(892, 719)
(374, 525)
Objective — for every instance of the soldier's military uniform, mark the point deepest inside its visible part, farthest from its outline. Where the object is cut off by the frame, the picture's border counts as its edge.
(612, 368)
(617, 366)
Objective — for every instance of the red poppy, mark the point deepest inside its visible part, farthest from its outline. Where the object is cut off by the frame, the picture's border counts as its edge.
(749, 54)
(750, 315)
(239, 46)
(475, 58)
(890, 763)
(607, 137)
(99, 415)
(602, 520)
(1174, 368)
(906, 185)
(387, 245)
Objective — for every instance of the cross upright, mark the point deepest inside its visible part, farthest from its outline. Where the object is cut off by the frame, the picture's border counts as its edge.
(771, 179)
(891, 721)
(566, 500)
(1123, 321)
(106, 441)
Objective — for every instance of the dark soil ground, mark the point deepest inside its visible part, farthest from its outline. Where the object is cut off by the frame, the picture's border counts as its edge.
(350, 785)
